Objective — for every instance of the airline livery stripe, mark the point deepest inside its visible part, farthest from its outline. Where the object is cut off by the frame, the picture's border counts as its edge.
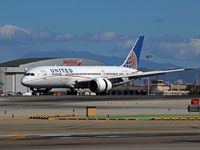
(135, 72)
(57, 76)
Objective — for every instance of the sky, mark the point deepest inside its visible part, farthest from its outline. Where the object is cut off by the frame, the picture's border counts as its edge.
(102, 27)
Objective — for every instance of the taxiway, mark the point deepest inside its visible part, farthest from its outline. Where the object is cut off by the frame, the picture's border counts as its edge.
(25, 133)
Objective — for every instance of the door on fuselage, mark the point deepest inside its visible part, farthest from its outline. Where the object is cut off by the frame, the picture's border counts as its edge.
(44, 74)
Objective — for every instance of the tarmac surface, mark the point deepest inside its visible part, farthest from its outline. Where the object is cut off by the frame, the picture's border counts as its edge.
(21, 132)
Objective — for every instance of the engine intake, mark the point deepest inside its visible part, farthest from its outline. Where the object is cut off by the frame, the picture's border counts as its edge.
(100, 85)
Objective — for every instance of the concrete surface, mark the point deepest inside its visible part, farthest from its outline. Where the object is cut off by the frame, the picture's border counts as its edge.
(24, 133)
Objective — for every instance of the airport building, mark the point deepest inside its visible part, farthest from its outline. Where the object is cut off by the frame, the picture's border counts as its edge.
(11, 72)
(156, 88)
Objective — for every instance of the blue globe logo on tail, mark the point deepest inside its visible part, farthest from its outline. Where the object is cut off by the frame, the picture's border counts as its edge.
(132, 60)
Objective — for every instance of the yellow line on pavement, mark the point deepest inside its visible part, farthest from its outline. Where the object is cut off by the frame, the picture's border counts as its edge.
(19, 136)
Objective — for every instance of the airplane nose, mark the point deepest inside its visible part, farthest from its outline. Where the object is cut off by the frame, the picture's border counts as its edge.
(24, 81)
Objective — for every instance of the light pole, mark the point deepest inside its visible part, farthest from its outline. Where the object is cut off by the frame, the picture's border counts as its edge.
(148, 56)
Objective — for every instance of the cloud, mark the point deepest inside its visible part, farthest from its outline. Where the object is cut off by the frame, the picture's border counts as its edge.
(107, 36)
(104, 36)
(8, 30)
(124, 46)
(185, 50)
(19, 40)
(174, 47)
(158, 20)
(65, 37)
(167, 46)
(10, 34)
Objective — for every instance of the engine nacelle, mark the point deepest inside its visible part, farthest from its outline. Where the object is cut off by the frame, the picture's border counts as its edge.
(100, 85)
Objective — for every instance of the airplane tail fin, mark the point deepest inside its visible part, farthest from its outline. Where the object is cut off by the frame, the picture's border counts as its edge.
(132, 60)
(79, 63)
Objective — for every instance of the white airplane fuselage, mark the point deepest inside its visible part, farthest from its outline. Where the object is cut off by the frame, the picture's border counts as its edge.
(66, 76)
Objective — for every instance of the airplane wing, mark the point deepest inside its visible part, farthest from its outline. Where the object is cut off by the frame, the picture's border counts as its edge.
(151, 73)
(140, 75)
(132, 77)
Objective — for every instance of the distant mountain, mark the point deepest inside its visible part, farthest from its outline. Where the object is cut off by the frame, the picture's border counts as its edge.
(186, 76)
(110, 60)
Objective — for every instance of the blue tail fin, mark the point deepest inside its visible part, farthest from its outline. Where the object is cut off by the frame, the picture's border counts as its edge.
(132, 60)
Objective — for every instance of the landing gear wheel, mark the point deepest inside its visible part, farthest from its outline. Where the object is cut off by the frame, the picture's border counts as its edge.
(68, 92)
(75, 93)
(36, 93)
(72, 92)
(104, 93)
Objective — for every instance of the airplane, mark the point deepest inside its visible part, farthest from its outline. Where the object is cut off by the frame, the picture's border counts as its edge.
(99, 79)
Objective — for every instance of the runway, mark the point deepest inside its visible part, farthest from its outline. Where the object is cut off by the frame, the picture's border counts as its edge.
(24, 133)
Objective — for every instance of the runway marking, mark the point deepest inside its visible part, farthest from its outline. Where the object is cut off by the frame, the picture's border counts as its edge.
(59, 139)
(2, 99)
(101, 120)
(147, 137)
(16, 138)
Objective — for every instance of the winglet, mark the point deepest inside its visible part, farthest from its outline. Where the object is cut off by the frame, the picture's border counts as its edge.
(132, 60)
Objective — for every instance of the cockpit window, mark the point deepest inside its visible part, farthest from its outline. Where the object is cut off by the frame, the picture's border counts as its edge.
(29, 74)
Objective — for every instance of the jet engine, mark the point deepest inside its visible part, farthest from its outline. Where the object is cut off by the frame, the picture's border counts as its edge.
(100, 85)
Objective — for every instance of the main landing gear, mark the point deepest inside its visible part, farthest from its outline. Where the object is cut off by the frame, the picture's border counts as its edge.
(40, 91)
(100, 94)
(72, 92)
